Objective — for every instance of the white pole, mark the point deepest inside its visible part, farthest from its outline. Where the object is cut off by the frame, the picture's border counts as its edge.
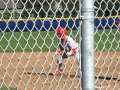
(87, 45)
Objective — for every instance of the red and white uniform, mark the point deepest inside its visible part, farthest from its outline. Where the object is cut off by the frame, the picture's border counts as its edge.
(67, 47)
(74, 48)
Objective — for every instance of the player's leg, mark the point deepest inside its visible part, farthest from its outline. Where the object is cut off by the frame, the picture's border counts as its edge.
(60, 63)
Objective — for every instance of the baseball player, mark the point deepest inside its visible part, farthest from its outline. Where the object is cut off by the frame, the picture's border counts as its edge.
(67, 47)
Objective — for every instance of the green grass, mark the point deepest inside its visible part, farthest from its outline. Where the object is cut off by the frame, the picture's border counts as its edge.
(27, 41)
(7, 88)
(105, 40)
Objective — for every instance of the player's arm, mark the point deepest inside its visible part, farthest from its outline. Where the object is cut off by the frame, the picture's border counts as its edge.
(71, 52)
(73, 48)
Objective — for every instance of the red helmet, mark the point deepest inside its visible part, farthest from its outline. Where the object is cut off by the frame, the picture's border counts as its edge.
(61, 32)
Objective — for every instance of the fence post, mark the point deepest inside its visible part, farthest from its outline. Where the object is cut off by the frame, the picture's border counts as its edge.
(87, 45)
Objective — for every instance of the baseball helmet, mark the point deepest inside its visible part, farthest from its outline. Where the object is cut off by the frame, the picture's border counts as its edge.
(61, 32)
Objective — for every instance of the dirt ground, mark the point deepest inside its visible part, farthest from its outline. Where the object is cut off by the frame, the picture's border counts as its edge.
(34, 71)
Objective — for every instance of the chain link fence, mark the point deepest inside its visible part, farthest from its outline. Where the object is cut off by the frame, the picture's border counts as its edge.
(28, 43)
(107, 44)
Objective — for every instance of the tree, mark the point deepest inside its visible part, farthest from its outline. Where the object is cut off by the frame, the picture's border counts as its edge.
(52, 8)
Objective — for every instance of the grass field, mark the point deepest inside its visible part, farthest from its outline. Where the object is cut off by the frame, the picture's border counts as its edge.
(7, 88)
(105, 40)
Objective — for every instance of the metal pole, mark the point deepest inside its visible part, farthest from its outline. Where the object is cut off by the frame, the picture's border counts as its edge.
(87, 45)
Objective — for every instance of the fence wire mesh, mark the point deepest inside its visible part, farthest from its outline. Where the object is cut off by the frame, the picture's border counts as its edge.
(28, 43)
(107, 42)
